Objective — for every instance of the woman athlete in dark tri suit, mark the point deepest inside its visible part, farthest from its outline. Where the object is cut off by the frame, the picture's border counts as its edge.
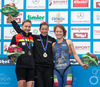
(62, 68)
(25, 66)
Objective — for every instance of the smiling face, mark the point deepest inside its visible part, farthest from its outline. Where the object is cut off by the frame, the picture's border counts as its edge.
(44, 30)
(26, 27)
(59, 33)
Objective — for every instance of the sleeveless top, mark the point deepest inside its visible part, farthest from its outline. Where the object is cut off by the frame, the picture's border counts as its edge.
(63, 62)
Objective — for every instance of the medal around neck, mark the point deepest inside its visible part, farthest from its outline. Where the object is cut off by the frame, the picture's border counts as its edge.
(29, 53)
(44, 48)
(45, 55)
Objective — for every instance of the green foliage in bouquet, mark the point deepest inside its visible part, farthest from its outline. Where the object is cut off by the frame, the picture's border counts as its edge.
(91, 59)
(10, 9)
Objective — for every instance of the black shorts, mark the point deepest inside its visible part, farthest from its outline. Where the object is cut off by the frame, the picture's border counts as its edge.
(27, 74)
(44, 77)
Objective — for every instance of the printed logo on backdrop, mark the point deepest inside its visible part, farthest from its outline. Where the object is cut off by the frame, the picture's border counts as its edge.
(96, 32)
(80, 32)
(18, 3)
(36, 17)
(96, 16)
(35, 1)
(95, 78)
(0, 47)
(15, 1)
(0, 32)
(51, 32)
(50, 2)
(96, 3)
(0, 4)
(73, 62)
(80, 3)
(35, 4)
(82, 47)
(58, 17)
(81, 17)
(9, 32)
(35, 30)
(58, 4)
(18, 19)
(96, 47)
(6, 62)
(4, 79)
(0, 17)
(13, 32)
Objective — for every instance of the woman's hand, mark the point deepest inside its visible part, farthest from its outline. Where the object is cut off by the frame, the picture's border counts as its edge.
(70, 52)
(86, 66)
(13, 58)
(10, 17)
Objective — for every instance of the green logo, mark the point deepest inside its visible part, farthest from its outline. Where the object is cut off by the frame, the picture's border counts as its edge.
(30, 17)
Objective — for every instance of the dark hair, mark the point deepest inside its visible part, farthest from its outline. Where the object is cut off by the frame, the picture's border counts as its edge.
(24, 21)
(43, 23)
(62, 28)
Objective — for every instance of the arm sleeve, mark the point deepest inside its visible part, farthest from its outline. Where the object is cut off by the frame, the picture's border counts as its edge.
(16, 26)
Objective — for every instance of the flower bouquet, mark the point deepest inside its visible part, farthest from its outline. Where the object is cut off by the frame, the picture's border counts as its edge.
(10, 9)
(14, 52)
(91, 59)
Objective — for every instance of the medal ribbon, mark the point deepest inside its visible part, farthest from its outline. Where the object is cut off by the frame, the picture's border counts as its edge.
(59, 49)
(44, 48)
(29, 46)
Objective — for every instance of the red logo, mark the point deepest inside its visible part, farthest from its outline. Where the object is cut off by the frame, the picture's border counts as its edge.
(50, 2)
(80, 3)
(97, 4)
(80, 35)
(82, 47)
(18, 20)
(96, 31)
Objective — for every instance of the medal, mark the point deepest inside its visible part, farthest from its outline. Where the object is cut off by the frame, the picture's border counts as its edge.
(29, 53)
(59, 60)
(45, 55)
(44, 48)
(59, 49)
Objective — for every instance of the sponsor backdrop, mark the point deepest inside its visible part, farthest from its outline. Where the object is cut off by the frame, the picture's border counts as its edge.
(81, 19)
